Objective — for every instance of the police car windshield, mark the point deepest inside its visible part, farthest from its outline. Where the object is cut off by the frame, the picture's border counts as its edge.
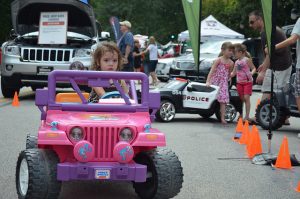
(175, 84)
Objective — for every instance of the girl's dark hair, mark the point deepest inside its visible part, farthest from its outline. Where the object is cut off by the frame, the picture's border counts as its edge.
(101, 50)
(242, 48)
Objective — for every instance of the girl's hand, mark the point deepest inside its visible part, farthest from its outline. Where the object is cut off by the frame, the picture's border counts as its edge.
(207, 84)
(125, 60)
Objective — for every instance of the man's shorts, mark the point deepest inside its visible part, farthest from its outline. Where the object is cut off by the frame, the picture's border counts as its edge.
(297, 82)
(281, 78)
(244, 88)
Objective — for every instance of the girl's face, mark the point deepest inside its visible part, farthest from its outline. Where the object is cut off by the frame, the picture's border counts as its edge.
(238, 54)
(109, 61)
(228, 52)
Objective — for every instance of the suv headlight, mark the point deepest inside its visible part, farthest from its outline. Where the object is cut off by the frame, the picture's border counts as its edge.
(83, 52)
(126, 134)
(76, 134)
(12, 50)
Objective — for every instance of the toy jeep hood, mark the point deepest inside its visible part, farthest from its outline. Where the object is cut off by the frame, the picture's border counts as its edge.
(26, 15)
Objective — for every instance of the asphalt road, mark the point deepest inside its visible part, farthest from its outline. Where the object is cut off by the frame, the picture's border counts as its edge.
(204, 147)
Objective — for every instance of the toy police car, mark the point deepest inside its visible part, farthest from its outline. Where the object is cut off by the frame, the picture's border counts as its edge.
(184, 96)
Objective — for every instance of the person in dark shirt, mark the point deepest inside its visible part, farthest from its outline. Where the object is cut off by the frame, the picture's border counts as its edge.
(137, 56)
(281, 62)
(126, 45)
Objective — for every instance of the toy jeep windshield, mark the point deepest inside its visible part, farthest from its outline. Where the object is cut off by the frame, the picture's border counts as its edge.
(109, 140)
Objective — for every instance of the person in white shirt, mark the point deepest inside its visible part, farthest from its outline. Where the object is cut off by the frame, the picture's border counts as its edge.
(153, 57)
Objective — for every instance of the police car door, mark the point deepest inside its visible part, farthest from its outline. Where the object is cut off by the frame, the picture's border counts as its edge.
(198, 95)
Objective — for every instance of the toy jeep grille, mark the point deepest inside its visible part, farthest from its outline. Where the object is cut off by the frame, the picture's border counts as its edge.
(104, 139)
(46, 55)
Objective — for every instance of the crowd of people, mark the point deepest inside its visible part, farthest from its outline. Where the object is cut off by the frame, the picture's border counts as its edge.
(125, 55)
(224, 68)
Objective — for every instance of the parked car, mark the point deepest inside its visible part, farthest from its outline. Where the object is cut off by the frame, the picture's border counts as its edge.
(184, 66)
(163, 68)
(185, 96)
(26, 62)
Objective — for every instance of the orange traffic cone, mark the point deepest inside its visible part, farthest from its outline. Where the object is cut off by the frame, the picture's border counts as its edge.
(254, 147)
(245, 135)
(298, 187)
(283, 160)
(15, 101)
(257, 103)
(238, 130)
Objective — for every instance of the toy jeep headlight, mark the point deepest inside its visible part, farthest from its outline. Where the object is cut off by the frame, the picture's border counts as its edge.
(126, 134)
(76, 134)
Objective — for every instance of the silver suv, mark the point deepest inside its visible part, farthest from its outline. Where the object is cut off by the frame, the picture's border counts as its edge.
(25, 62)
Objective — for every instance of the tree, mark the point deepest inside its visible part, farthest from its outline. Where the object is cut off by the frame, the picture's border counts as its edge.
(5, 20)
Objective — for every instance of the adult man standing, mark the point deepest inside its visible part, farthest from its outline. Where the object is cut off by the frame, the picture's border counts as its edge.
(126, 46)
(281, 62)
(295, 37)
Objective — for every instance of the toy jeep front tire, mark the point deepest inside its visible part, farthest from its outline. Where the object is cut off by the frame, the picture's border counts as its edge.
(36, 174)
(164, 174)
(31, 142)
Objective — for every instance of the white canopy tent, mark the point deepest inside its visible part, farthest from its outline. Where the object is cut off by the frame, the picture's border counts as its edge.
(212, 29)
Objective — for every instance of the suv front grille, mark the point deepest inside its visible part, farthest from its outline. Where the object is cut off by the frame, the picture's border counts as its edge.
(104, 139)
(46, 55)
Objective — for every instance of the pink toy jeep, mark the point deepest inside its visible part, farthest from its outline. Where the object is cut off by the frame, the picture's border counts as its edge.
(109, 140)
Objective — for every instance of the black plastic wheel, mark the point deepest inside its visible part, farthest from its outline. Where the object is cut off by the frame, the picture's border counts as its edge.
(7, 89)
(31, 142)
(166, 112)
(164, 174)
(263, 111)
(36, 174)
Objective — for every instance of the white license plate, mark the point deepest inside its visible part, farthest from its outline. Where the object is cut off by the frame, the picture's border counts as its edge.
(102, 174)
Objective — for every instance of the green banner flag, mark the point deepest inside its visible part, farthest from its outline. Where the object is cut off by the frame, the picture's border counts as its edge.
(192, 15)
(267, 11)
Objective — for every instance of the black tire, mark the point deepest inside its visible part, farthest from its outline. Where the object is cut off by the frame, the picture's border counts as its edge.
(34, 87)
(166, 111)
(166, 176)
(31, 142)
(230, 112)
(40, 170)
(7, 89)
(206, 115)
(262, 115)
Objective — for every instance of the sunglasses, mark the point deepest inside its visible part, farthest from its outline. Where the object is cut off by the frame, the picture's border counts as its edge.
(252, 22)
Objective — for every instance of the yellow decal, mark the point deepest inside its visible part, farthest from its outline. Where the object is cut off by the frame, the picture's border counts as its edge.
(52, 134)
(151, 137)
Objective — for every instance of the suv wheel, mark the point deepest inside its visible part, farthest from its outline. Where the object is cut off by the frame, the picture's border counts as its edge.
(8, 90)
(166, 112)
(36, 174)
(164, 174)
(263, 112)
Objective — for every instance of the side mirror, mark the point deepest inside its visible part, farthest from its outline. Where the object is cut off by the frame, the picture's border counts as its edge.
(13, 34)
(189, 88)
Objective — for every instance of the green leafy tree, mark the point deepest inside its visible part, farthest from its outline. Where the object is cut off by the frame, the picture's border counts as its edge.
(5, 20)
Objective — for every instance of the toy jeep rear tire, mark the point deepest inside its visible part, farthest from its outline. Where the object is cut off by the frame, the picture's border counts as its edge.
(166, 111)
(36, 174)
(7, 88)
(31, 142)
(164, 174)
(262, 115)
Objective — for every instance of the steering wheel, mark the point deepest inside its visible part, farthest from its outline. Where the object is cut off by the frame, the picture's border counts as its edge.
(113, 94)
